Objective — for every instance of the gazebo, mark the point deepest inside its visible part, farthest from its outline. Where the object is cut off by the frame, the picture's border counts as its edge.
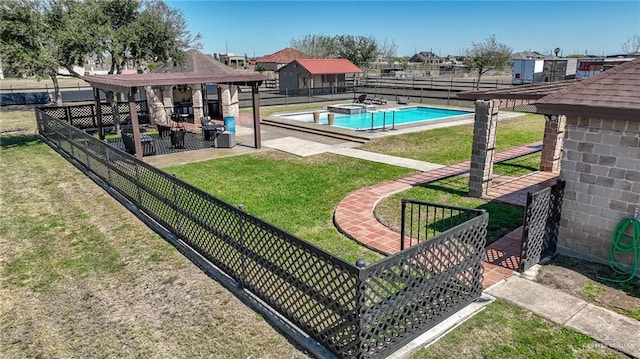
(129, 84)
(600, 158)
(191, 99)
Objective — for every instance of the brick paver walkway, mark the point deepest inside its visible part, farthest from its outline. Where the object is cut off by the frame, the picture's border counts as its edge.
(354, 214)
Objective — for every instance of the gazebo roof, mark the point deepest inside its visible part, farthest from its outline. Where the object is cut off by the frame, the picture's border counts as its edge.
(198, 68)
(612, 94)
(197, 62)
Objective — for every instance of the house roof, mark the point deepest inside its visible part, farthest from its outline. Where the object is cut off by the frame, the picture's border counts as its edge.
(612, 94)
(197, 62)
(283, 56)
(327, 66)
(523, 55)
(424, 56)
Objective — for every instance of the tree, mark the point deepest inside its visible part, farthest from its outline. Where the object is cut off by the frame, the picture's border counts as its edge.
(37, 37)
(632, 44)
(361, 50)
(488, 55)
(29, 45)
(316, 46)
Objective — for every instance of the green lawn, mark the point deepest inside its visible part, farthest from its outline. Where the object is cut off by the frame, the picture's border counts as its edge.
(296, 194)
(451, 145)
(503, 218)
(502, 330)
(518, 166)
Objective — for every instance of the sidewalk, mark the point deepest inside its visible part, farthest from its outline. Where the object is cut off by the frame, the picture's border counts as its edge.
(605, 326)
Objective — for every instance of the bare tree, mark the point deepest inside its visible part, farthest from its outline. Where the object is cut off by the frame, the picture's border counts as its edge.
(632, 44)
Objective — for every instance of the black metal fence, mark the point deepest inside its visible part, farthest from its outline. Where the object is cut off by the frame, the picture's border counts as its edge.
(353, 312)
(541, 224)
(84, 116)
(421, 220)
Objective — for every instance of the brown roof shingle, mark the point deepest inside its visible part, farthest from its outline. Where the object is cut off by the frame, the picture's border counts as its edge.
(612, 94)
(283, 56)
(197, 62)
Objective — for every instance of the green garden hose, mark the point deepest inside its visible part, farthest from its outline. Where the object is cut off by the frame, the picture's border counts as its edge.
(624, 243)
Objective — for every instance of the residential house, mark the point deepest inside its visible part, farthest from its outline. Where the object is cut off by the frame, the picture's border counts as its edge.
(315, 76)
(279, 59)
(425, 56)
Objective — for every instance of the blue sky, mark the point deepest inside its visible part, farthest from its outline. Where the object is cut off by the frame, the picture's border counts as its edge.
(446, 28)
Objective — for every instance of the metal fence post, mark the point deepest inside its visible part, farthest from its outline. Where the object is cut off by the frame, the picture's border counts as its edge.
(175, 203)
(137, 167)
(243, 249)
(402, 216)
(108, 164)
(384, 120)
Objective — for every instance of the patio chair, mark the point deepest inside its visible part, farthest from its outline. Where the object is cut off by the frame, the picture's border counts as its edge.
(403, 100)
(360, 98)
(163, 130)
(379, 100)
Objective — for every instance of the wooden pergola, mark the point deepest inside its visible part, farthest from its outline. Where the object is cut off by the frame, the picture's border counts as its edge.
(129, 84)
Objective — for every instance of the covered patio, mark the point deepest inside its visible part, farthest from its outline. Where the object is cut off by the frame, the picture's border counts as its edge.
(130, 84)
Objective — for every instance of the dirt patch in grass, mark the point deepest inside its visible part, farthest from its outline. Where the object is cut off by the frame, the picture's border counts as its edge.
(585, 280)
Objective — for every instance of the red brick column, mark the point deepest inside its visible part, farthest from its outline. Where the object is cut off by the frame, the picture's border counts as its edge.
(484, 139)
(552, 142)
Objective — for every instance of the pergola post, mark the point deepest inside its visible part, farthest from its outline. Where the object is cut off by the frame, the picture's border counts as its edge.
(96, 98)
(482, 152)
(554, 126)
(256, 115)
(133, 112)
(197, 102)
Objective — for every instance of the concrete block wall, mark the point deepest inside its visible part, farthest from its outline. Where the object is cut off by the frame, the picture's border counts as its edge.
(552, 143)
(483, 147)
(601, 164)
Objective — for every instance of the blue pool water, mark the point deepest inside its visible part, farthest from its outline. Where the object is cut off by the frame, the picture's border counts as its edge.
(377, 119)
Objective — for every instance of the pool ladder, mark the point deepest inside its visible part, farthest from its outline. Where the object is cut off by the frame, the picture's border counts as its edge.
(384, 120)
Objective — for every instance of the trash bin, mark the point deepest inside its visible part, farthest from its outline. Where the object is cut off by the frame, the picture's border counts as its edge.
(230, 124)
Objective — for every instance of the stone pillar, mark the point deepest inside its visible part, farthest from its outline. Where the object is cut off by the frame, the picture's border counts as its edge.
(552, 142)
(229, 101)
(482, 151)
(196, 98)
(157, 113)
(167, 99)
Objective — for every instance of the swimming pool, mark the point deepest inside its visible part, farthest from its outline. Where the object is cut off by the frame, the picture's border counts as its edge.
(378, 119)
